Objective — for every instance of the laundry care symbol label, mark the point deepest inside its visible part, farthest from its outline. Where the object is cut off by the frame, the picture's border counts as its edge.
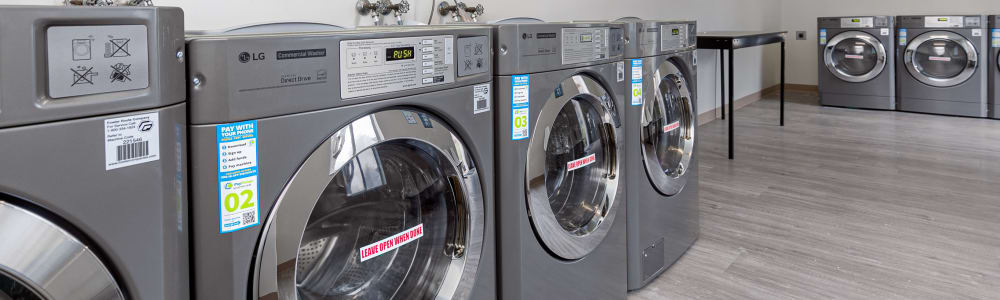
(85, 60)
(238, 193)
(388, 244)
(520, 107)
(131, 140)
(995, 38)
(636, 83)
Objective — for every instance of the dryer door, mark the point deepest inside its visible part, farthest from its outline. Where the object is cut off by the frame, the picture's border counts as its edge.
(40, 260)
(855, 56)
(572, 166)
(668, 127)
(389, 207)
(941, 58)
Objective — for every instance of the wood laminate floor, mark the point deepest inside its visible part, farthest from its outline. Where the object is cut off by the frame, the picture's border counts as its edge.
(844, 204)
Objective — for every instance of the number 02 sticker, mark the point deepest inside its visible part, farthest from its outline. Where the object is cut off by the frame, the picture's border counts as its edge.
(237, 146)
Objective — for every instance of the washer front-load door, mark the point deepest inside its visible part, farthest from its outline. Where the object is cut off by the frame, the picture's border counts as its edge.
(941, 58)
(855, 56)
(572, 167)
(667, 124)
(40, 260)
(389, 207)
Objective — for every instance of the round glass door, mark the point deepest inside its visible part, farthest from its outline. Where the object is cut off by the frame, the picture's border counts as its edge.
(855, 56)
(388, 208)
(941, 58)
(668, 126)
(571, 168)
(40, 260)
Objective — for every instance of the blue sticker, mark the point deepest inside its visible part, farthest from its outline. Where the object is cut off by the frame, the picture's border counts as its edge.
(520, 95)
(636, 84)
(995, 38)
(237, 161)
(822, 36)
(902, 37)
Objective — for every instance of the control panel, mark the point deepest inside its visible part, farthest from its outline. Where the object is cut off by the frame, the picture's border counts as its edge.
(585, 44)
(376, 66)
(857, 22)
(673, 36)
(882, 21)
(943, 22)
(473, 55)
(85, 60)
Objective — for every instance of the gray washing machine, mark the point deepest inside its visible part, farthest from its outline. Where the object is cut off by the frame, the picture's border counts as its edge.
(93, 199)
(941, 67)
(342, 164)
(660, 117)
(559, 141)
(856, 62)
(994, 67)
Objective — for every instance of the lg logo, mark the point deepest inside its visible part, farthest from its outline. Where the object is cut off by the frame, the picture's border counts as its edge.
(245, 57)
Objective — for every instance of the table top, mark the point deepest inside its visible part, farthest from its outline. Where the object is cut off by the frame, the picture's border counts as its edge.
(738, 39)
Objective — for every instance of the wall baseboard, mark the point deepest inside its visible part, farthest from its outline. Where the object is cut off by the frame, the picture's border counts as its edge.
(716, 114)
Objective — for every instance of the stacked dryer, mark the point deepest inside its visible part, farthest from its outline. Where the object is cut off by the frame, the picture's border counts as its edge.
(942, 65)
(560, 170)
(660, 117)
(856, 65)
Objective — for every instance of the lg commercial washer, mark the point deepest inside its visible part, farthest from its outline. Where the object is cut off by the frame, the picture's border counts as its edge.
(660, 117)
(561, 188)
(941, 65)
(93, 199)
(342, 164)
(994, 67)
(856, 62)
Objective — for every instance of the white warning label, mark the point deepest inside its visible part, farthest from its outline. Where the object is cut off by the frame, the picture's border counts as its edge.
(131, 140)
(580, 163)
(481, 98)
(671, 127)
(391, 243)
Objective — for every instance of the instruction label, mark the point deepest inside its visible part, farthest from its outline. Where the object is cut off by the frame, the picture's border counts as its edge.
(636, 82)
(995, 38)
(238, 200)
(391, 243)
(131, 140)
(520, 108)
(822, 36)
(85, 60)
(902, 37)
(481, 98)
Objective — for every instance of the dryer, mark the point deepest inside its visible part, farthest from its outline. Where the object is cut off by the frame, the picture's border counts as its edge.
(342, 164)
(942, 65)
(660, 117)
(560, 170)
(994, 67)
(856, 62)
(93, 199)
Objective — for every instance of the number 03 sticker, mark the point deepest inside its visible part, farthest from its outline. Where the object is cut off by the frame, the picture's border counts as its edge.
(237, 146)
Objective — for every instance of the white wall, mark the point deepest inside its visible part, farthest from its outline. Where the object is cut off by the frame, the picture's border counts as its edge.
(757, 66)
(802, 14)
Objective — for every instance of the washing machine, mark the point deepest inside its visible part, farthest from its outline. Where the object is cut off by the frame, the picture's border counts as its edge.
(659, 117)
(942, 65)
(856, 62)
(994, 67)
(559, 143)
(347, 164)
(93, 199)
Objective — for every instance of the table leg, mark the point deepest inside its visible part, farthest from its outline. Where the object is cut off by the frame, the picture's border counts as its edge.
(782, 122)
(722, 81)
(732, 103)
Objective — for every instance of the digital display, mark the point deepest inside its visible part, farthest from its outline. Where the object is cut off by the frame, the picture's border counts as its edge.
(400, 53)
(942, 19)
(856, 20)
(676, 31)
(586, 38)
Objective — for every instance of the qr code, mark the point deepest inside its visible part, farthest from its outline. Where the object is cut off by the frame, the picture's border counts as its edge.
(249, 217)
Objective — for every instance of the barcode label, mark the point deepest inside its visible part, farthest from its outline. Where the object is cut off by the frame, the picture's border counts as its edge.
(131, 140)
(133, 150)
(250, 217)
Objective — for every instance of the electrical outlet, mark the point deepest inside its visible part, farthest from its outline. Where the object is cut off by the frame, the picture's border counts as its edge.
(800, 35)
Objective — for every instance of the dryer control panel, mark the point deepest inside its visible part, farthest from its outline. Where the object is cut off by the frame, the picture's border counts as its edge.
(376, 66)
(673, 36)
